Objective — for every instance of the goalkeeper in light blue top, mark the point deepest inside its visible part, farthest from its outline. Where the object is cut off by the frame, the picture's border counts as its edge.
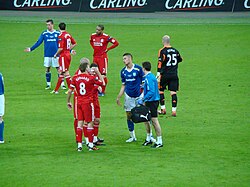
(50, 39)
(2, 107)
(151, 100)
(132, 79)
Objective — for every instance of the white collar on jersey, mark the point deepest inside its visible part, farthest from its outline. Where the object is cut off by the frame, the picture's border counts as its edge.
(129, 70)
(51, 32)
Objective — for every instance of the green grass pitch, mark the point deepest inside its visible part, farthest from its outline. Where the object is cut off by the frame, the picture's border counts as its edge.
(206, 145)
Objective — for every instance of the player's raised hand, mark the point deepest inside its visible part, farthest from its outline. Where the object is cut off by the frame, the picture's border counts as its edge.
(27, 49)
(69, 106)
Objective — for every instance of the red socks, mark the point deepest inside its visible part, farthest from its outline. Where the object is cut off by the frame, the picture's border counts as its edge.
(96, 129)
(59, 82)
(79, 135)
(104, 87)
(68, 81)
(90, 134)
(85, 132)
(75, 125)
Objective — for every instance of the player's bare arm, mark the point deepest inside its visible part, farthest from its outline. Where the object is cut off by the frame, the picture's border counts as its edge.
(120, 95)
(72, 46)
(69, 104)
(59, 50)
(114, 42)
(99, 75)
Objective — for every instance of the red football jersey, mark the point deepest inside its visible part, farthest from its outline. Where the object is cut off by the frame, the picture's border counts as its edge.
(100, 43)
(84, 85)
(64, 41)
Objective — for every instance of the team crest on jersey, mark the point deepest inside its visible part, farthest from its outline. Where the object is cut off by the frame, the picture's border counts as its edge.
(134, 74)
(102, 40)
(55, 35)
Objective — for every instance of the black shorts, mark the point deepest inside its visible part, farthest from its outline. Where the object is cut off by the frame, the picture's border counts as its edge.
(171, 81)
(153, 106)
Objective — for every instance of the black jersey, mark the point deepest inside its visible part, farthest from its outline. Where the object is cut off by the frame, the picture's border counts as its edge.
(168, 60)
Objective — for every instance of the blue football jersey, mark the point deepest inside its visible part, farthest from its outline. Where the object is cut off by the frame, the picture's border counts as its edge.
(1, 85)
(151, 91)
(50, 40)
(132, 79)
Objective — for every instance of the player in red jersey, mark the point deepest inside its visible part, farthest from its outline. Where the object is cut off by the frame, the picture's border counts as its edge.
(99, 42)
(83, 84)
(65, 43)
(83, 60)
(97, 108)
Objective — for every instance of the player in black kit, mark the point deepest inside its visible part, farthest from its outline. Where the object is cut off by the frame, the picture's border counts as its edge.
(167, 73)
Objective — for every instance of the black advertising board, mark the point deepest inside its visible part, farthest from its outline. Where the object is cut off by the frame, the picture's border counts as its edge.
(127, 5)
(242, 5)
(41, 5)
(120, 5)
(198, 5)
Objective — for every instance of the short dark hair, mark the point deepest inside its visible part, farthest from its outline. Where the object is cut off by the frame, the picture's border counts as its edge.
(128, 54)
(93, 65)
(101, 26)
(62, 26)
(50, 20)
(146, 65)
(83, 67)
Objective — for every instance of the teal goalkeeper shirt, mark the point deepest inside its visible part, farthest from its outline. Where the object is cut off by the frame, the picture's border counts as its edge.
(151, 91)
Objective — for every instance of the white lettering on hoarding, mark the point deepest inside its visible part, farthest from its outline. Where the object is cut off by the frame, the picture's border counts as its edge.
(246, 4)
(181, 4)
(105, 4)
(40, 3)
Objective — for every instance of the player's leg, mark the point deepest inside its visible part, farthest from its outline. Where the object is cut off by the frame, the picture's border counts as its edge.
(153, 109)
(2, 108)
(47, 65)
(61, 74)
(174, 87)
(162, 87)
(55, 64)
(102, 63)
(59, 82)
(148, 137)
(85, 133)
(97, 123)
(79, 135)
(79, 130)
(67, 66)
(131, 128)
(68, 78)
(89, 118)
(104, 73)
(129, 103)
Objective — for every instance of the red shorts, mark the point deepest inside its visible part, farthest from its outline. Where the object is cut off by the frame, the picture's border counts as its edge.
(85, 112)
(102, 62)
(64, 62)
(97, 109)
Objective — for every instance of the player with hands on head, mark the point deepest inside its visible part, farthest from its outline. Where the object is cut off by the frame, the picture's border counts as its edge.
(83, 84)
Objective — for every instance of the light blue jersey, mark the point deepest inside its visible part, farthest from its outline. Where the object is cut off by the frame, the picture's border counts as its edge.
(132, 79)
(50, 40)
(151, 91)
(1, 85)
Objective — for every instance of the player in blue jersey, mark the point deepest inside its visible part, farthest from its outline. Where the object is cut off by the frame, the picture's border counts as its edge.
(151, 100)
(2, 105)
(132, 79)
(50, 39)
